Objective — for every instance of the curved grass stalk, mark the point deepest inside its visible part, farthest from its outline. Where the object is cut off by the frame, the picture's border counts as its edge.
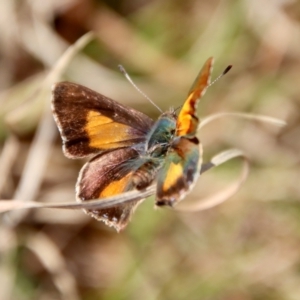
(254, 117)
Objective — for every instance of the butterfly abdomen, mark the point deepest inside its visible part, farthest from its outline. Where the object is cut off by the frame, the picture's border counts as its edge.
(146, 174)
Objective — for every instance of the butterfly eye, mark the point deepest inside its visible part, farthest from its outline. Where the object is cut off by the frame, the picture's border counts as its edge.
(170, 134)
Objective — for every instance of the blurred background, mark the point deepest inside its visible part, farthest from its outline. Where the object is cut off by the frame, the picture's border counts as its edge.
(246, 248)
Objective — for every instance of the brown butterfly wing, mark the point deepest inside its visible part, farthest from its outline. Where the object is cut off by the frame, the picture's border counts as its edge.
(90, 123)
(180, 171)
(106, 175)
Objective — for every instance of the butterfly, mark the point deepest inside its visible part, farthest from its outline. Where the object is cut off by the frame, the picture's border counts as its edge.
(130, 150)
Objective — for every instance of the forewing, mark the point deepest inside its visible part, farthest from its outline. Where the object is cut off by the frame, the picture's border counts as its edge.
(179, 171)
(187, 121)
(106, 175)
(90, 123)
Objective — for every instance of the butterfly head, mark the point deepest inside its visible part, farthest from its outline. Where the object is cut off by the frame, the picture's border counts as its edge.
(161, 134)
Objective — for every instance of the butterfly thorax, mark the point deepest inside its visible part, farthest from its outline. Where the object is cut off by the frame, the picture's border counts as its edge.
(157, 144)
(161, 135)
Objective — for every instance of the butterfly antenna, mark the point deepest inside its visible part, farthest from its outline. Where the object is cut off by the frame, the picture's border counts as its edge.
(227, 69)
(121, 68)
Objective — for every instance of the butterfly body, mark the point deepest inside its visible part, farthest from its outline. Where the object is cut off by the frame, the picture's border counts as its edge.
(132, 151)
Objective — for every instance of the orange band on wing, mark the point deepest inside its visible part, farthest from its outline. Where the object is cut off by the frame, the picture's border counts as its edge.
(187, 121)
(175, 172)
(116, 187)
(103, 132)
